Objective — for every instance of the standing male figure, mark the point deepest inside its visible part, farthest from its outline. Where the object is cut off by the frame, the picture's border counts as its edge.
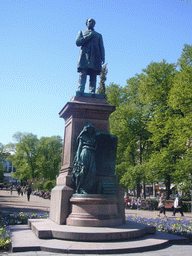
(91, 57)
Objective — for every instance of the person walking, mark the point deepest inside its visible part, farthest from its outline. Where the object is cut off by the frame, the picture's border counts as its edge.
(21, 191)
(18, 190)
(11, 189)
(161, 205)
(29, 193)
(177, 205)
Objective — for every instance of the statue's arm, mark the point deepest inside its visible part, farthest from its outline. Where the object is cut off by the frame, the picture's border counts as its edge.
(82, 39)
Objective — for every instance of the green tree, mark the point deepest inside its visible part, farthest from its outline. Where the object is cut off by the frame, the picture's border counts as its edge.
(37, 159)
(103, 78)
(153, 123)
(154, 93)
(129, 125)
(180, 101)
(49, 157)
(3, 157)
(3, 153)
(1, 172)
(25, 157)
(115, 94)
(49, 185)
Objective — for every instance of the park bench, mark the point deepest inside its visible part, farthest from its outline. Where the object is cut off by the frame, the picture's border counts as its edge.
(168, 205)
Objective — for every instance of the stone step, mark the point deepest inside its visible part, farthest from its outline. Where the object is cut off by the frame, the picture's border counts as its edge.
(47, 229)
(24, 239)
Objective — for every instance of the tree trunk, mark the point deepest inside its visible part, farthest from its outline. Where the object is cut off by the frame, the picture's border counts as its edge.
(138, 189)
(168, 184)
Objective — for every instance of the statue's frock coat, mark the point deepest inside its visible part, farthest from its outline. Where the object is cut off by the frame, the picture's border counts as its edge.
(92, 52)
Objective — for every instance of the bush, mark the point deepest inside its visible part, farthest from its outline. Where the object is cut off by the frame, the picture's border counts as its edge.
(153, 203)
(186, 206)
(49, 185)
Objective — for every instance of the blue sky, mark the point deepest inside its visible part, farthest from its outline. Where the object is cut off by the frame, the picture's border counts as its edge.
(38, 67)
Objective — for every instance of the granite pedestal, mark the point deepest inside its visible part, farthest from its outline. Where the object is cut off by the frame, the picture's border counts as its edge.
(77, 113)
(94, 211)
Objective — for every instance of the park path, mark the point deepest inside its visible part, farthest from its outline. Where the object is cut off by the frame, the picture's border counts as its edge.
(153, 214)
(11, 203)
(15, 203)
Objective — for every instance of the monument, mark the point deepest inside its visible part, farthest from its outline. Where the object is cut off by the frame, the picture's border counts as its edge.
(87, 212)
(86, 193)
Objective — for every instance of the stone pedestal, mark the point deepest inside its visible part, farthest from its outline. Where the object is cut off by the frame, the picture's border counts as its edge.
(76, 114)
(94, 211)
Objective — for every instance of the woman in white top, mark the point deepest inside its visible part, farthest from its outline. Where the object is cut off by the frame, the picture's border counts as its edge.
(161, 205)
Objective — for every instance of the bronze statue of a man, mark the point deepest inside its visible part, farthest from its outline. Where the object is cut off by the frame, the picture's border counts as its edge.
(91, 57)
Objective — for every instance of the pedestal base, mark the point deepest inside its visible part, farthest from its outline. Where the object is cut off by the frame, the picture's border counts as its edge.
(94, 211)
(60, 209)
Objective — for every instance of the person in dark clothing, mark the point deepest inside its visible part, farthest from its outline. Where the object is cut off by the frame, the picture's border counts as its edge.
(29, 193)
(18, 190)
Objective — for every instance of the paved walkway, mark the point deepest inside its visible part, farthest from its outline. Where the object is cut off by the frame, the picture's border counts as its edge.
(17, 203)
(36, 204)
(153, 214)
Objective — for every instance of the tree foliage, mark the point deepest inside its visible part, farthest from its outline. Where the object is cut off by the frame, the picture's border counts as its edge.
(153, 123)
(26, 156)
(103, 78)
(35, 159)
(1, 172)
(49, 156)
(3, 157)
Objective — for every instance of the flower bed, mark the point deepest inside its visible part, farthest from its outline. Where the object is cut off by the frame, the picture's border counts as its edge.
(15, 219)
(181, 227)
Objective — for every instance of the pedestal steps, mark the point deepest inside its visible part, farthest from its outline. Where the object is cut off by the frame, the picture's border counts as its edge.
(47, 229)
(131, 237)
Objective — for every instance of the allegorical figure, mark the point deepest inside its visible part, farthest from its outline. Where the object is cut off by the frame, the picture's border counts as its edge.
(91, 57)
(84, 167)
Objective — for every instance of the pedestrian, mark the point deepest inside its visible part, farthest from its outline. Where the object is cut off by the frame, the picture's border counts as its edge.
(11, 189)
(161, 205)
(18, 190)
(127, 202)
(21, 191)
(133, 203)
(177, 205)
(28, 193)
(139, 203)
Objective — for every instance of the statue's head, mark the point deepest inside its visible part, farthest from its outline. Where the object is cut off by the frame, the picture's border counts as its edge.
(90, 23)
(89, 128)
